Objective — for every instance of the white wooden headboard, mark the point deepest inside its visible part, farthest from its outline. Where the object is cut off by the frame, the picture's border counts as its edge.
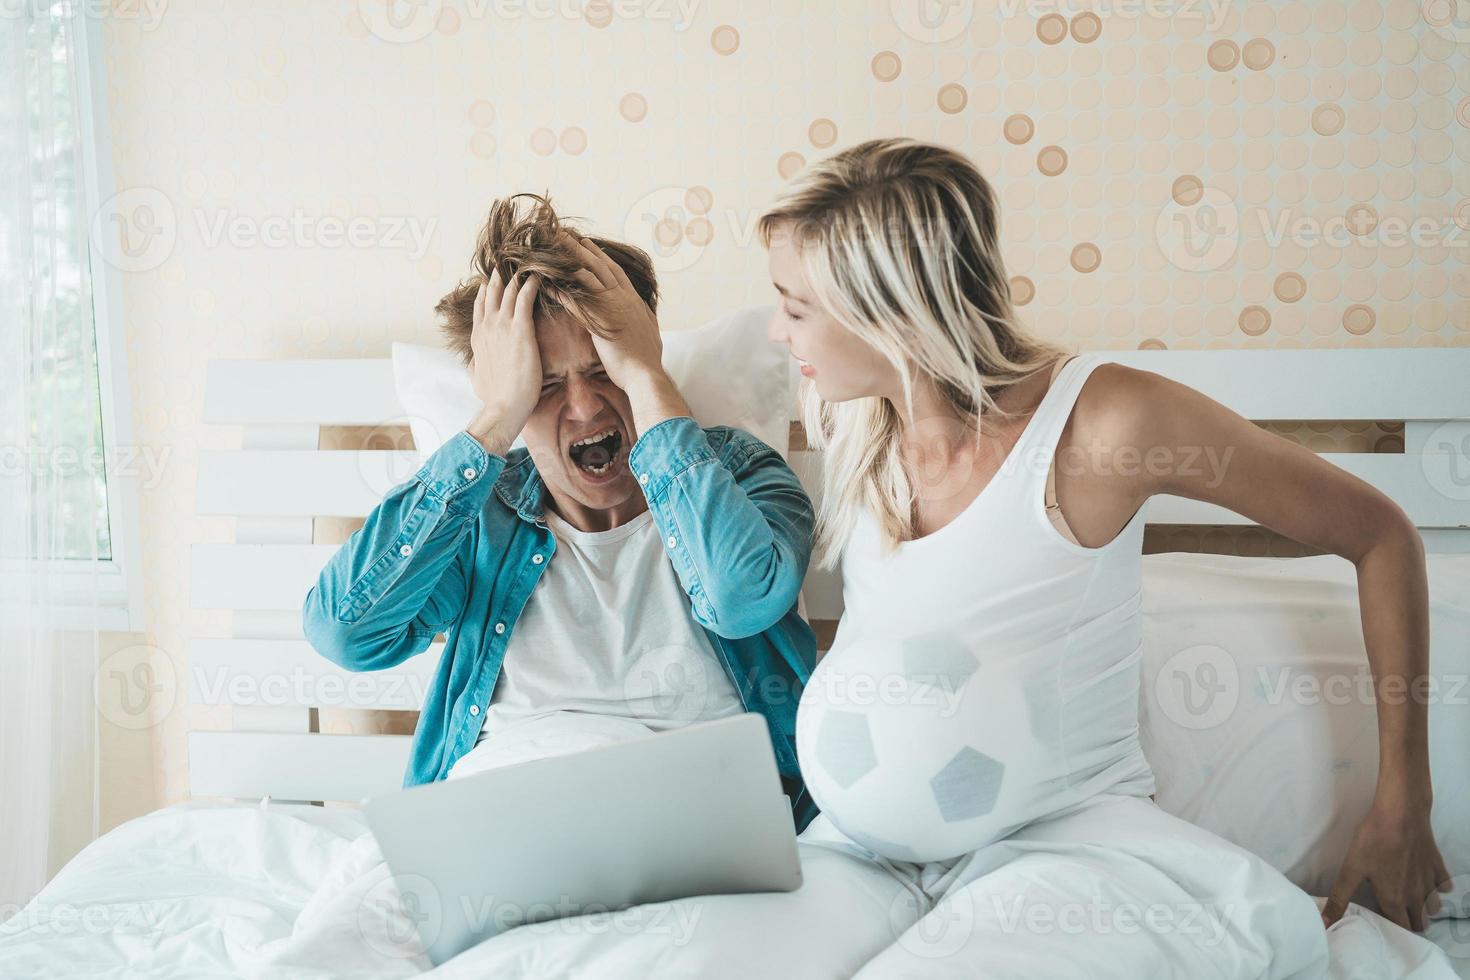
(279, 481)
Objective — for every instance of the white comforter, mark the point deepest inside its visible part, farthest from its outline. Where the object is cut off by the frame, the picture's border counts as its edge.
(207, 890)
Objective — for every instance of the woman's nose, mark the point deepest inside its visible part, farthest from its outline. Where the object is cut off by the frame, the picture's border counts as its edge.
(776, 330)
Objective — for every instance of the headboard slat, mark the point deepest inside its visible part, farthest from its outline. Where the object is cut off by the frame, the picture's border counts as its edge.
(289, 673)
(296, 766)
(317, 483)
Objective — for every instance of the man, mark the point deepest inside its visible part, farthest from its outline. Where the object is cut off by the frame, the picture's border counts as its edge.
(626, 572)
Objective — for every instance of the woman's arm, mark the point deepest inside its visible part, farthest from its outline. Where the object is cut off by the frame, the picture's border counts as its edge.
(1189, 445)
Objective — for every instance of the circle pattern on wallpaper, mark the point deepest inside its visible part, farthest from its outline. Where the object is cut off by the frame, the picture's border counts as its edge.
(1290, 287)
(1051, 29)
(1051, 161)
(1362, 219)
(1258, 54)
(1359, 319)
(1328, 119)
(1086, 257)
(1201, 236)
(633, 107)
(1254, 320)
(822, 133)
(574, 140)
(1450, 19)
(598, 13)
(1023, 290)
(1187, 190)
(659, 223)
(1019, 129)
(699, 200)
(1223, 55)
(886, 66)
(1086, 27)
(482, 114)
(725, 40)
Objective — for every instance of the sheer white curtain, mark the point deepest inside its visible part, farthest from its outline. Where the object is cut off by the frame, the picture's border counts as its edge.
(47, 655)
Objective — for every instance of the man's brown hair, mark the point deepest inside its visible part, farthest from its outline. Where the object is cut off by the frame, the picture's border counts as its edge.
(521, 235)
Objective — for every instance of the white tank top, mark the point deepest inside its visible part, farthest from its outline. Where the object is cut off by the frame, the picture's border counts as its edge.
(982, 676)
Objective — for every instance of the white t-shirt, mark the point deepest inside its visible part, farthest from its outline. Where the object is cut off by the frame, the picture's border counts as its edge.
(605, 650)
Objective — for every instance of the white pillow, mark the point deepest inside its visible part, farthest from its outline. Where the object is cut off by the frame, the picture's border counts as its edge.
(1256, 713)
(728, 371)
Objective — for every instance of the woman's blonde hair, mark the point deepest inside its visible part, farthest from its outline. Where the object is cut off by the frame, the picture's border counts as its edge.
(899, 241)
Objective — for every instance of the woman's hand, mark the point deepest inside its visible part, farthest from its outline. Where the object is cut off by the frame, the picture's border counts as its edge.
(633, 352)
(1393, 849)
(505, 365)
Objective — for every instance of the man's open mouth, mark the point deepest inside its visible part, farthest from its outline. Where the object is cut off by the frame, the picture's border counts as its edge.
(598, 453)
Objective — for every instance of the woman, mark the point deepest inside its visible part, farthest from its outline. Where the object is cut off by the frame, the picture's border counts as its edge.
(985, 491)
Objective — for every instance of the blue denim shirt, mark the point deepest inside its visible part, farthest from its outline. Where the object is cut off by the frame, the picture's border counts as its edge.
(459, 549)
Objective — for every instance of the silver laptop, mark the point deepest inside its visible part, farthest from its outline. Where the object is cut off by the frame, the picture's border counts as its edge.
(697, 810)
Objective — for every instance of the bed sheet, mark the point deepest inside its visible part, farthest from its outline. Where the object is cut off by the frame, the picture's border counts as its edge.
(205, 890)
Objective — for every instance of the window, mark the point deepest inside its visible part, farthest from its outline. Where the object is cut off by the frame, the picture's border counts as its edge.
(69, 450)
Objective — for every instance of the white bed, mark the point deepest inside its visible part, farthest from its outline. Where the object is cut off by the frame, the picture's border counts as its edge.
(250, 880)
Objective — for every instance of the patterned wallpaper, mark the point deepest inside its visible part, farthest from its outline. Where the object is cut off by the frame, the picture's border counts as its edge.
(305, 179)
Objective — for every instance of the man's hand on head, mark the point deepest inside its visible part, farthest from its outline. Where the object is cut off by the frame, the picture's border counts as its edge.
(632, 352)
(505, 365)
